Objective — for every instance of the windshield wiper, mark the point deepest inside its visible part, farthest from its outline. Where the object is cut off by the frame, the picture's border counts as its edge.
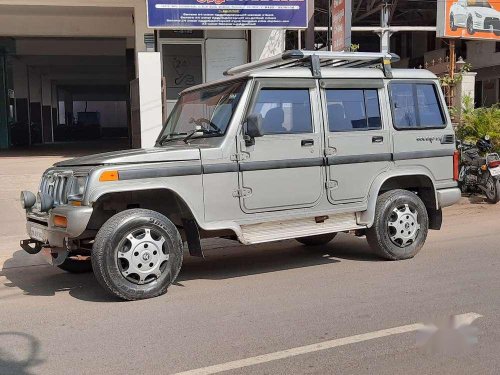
(166, 138)
(202, 130)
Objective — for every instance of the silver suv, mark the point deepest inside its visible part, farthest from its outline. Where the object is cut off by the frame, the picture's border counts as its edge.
(302, 145)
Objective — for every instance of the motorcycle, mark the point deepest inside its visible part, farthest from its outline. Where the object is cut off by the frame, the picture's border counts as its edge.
(478, 173)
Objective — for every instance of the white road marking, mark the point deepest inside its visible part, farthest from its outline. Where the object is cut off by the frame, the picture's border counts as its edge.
(469, 318)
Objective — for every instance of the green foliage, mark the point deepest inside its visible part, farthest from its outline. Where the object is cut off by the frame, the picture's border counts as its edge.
(476, 123)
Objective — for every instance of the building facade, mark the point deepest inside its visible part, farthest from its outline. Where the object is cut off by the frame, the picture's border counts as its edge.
(68, 69)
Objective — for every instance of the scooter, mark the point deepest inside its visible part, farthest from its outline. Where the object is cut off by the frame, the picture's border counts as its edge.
(478, 173)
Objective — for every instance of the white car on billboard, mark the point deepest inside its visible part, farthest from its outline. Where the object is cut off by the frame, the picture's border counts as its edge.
(474, 15)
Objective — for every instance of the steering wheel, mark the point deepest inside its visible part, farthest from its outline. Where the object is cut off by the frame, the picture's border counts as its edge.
(202, 121)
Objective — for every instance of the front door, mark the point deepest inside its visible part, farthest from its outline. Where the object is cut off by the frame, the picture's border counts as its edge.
(358, 139)
(283, 169)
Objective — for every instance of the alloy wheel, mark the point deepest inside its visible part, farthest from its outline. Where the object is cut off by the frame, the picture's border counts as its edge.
(403, 225)
(142, 256)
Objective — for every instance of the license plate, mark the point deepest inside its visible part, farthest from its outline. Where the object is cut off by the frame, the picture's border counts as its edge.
(38, 234)
(495, 171)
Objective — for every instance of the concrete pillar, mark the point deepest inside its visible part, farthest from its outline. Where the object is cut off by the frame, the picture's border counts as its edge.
(4, 132)
(465, 89)
(151, 116)
(54, 106)
(266, 43)
(35, 104)
(48, 134)
(141, 28)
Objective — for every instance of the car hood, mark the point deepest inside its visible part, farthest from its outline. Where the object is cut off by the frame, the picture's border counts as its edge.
(150, 155)
(486, 12)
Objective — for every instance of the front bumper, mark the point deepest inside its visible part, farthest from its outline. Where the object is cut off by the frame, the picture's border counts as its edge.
(40, 227)
(448, 197)
(491, 23)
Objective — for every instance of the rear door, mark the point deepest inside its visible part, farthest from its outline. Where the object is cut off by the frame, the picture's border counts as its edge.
(424, 135)
(358, 144)
(283, 169)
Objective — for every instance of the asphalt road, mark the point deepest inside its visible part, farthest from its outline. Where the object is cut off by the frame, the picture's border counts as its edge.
(243, 302)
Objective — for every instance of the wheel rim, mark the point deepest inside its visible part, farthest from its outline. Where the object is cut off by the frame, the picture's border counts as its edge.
(142, 256)
(403, 225)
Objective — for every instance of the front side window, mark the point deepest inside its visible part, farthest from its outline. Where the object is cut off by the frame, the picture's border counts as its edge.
(284, 111)
(416, 105)
(353, 109)
(209, 110)
(479, 3)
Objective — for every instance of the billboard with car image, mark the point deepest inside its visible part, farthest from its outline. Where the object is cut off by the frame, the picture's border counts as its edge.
(469, 19)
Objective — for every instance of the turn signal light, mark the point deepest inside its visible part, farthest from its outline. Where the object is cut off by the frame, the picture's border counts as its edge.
(109, 176)
(484, 167)
(60, 221)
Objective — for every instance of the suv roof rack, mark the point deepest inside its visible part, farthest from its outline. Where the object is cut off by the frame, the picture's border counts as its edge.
(320, 59)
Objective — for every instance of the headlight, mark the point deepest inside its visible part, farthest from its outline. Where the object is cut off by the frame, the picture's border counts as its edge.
(478, 15)
(77, 188)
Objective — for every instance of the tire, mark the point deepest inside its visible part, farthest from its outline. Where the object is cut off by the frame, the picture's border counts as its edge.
(384, 236)
(492, 190)
(75, 265)
(453, 27)
(470, 26)
(321, 239)
(137, 254)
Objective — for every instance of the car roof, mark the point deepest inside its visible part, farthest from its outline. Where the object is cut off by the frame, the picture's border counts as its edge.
(303, 72)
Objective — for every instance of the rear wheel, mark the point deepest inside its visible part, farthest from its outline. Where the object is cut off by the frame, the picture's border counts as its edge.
(318, 240)
(453, 27)
(400, 226)
(137, 254)
(492, 190)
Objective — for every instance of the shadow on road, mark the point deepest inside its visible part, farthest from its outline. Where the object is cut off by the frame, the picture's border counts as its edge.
(228, 261)
(19, 352)
(48, 280)
(237, 261)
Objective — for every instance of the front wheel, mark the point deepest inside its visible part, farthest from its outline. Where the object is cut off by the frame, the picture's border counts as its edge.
(400, 227)
(492, 190)
(137, 254)
(470, 26)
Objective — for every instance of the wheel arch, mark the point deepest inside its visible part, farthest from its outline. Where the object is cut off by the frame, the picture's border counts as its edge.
(166, 201)
(419, 181)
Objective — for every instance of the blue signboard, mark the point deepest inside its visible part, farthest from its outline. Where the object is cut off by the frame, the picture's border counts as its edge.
(222, 14)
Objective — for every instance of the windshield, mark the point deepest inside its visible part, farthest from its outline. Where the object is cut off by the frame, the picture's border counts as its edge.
(205, 112)
(478, 3)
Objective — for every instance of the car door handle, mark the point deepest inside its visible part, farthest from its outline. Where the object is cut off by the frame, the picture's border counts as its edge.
(377, 139)
(307, 142)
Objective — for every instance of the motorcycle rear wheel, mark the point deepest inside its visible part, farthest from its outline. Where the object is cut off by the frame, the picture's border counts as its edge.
(492, 190)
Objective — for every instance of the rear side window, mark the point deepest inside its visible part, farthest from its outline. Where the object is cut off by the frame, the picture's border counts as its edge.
(353, 109)
(416, 106)
(284, 111)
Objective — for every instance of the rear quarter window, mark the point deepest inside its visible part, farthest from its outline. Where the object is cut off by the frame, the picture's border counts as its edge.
(416, 106)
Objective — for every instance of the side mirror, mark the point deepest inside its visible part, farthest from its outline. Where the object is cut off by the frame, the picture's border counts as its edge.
(253, 128)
